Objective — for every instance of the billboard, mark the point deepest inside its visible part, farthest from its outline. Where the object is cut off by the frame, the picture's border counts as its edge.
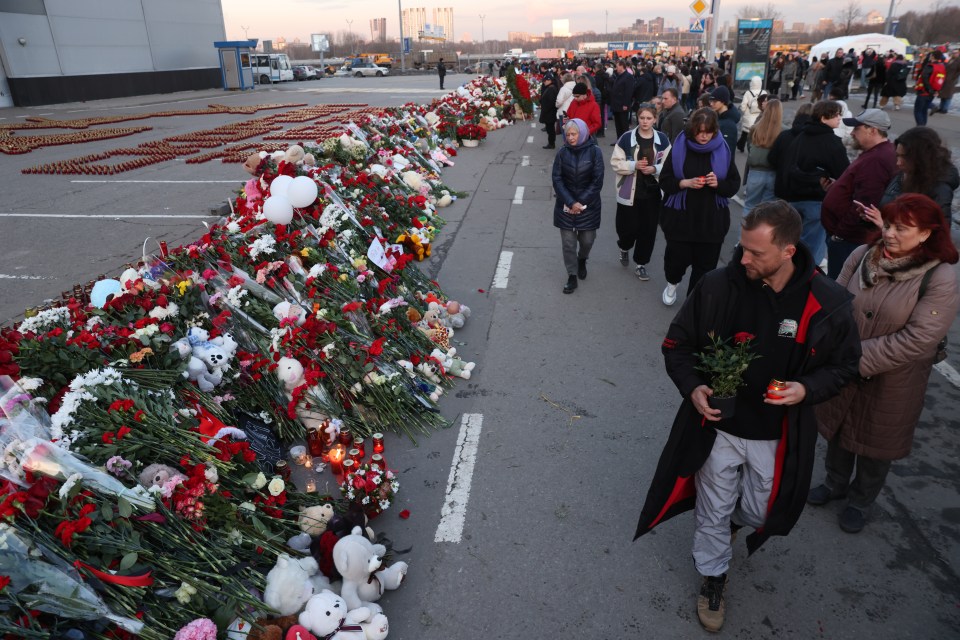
(752, 54)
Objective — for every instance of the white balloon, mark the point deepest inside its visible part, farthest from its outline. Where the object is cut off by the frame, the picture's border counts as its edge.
(278, 210)
(302, 192)
(280, 185)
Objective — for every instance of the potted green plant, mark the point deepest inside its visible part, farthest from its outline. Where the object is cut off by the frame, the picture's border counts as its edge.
(724, 363)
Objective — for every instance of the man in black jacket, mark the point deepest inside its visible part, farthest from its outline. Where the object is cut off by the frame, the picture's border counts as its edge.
(548, 109)
(441, 71)
(832, 70)
(621, 95)
(805, 170)
(801, 324)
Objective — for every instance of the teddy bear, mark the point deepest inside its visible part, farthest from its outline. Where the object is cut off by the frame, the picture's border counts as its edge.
(453, 365)
(455, 314)
(359, 562)
(286, 311)
(289, 584)
(431, 326)
(157, 475)
(328, 616)
(226, 342)
(206, 360)
(432, 390)
(313, 520)
(290, 373)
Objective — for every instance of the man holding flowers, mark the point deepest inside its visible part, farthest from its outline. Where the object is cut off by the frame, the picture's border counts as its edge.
(751, 469)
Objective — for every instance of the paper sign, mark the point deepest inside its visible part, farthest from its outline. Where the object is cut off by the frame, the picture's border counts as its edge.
(377, 255)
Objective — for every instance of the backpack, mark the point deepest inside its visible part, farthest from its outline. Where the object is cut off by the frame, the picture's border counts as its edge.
(937, 76)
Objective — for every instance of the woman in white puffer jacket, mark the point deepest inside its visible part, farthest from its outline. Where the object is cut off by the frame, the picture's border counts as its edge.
(750, 109)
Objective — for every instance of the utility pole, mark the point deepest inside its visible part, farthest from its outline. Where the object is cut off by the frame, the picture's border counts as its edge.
(712, 39)
(483, 41)
(606, 24)
(350, 28)
(888, 25)
(403, 57)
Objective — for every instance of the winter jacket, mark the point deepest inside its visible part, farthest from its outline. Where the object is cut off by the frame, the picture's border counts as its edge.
(827, 335)
(646, 87)
(863, 181)
(875, 416)
(950, 81)
(588, 110)
(729, 122)
(749, 105)
(832, 69)
(791, 73)
(670, 121)
(942, 192)
(565, 97)
(815, 153)
(702, 220)
(578, 177)
(669, 82)
(621, 94)
(548, 104)
(624, 163)
(894, 86)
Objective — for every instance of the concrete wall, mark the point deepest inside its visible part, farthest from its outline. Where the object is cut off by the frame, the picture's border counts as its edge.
(49, 49)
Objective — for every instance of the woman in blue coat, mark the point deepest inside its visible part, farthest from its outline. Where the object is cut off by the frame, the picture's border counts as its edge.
(577, 181)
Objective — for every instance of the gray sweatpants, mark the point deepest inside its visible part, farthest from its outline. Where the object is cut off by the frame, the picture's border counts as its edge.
(569, 239)
(720, 486)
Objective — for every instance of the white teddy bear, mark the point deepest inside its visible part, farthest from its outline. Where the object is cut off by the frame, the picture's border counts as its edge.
(289, 584)
(206, 361)
(358, 560)
(328, 616)
(290, 373)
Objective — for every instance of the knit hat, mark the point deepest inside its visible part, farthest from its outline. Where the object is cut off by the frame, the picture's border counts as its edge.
(579, 89)
(721, 94)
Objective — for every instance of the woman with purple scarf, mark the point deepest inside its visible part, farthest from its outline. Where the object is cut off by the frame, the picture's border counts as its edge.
(577, 181)
(697, 179)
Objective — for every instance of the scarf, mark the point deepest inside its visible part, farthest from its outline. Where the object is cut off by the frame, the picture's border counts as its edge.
(582, 128)
(719, 163)
(875, 265)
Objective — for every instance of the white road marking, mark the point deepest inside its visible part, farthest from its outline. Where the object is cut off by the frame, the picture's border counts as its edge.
(115, 216)
(738, 200)
(525, 162)
(158, 181)
(454, 511)
(948, 372)
(533, 125)
(529, 139)
(502, 274)
(518, 196)
(7, 276)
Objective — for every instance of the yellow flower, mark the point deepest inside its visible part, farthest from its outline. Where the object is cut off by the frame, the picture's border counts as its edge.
(304, 252)
(183, 285)
(343, 277)
(140, 355)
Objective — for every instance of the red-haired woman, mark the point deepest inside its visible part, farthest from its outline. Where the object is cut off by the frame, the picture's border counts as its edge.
(906, 298)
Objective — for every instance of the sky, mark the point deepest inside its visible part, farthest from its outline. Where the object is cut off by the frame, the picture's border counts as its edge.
(293, 19)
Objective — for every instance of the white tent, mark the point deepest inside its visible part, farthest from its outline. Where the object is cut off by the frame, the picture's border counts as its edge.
(876, 41)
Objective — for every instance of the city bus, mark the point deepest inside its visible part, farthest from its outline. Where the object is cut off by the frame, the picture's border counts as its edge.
(270, 67)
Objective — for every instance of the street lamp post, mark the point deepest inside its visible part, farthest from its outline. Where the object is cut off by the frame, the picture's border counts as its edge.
(350, 28)
(483, 42)
(403, 57)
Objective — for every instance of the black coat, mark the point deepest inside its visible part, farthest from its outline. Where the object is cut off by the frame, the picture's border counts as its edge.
(701, 220)
(646, 87)
(621, 93)
(578, 177)
(831, 353)
(548, 104)
(441, 69)
(815, 153)
(893, 86)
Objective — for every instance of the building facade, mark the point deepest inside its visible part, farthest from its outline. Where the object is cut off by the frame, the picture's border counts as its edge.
(378, 29)
(443, 18)
(414, 21)
(70, 50)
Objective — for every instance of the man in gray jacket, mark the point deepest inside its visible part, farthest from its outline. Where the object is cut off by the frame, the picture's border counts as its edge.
(671, 118)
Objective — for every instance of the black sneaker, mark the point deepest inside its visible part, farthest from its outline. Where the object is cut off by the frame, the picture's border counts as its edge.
(823, 494)
(642, 272)
(582, 268)
(852, 520)
(710, 605)
(624, 257)
(550, 146)
(571, 284)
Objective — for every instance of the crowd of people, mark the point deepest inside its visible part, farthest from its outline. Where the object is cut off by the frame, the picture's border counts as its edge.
(851, 346)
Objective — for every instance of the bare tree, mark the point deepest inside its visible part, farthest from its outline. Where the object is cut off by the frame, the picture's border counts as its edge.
(767, 11)
(850, 15)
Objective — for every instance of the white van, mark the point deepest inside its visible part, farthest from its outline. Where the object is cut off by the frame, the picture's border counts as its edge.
(270, 67)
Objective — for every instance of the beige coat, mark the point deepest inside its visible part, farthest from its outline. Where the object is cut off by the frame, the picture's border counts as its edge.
(876, 415)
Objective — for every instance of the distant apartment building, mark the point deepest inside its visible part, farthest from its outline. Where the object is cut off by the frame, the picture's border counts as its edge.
(799, 27)
(825, 24)
(875, 17)
(778, 26)
(561, 28)
(639, 26)
(378, 29)
(414, 20)
(443, 18)
(656, 25)
(519, 36)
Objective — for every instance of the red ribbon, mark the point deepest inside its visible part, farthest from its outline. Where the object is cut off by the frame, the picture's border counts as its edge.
(143, 580)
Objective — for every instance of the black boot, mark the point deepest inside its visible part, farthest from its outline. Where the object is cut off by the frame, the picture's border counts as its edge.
(582, 268)
(571, 284)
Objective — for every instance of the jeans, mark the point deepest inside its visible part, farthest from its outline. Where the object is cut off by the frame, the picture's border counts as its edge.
(569, 239)
(870, 476)
(921, 109)
(813, 234)
(945, 104)
(838, 250)
(759, 188)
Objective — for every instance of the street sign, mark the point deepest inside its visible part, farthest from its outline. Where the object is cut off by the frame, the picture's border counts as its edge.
(407, 45)
(319, 42)
(697, 25)
(699, 6)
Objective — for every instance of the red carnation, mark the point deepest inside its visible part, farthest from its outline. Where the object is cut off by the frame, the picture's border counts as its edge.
(743, 336)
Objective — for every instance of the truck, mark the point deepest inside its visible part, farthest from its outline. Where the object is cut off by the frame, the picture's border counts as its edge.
(379, 59)
(549, 54)
(429, 58)
(513, 53)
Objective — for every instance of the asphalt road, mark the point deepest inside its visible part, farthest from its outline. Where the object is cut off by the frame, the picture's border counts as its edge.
(566, 414)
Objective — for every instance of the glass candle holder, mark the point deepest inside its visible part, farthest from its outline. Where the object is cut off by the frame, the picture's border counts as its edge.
(282, 469)
(336, 456)
(311, 485)
(358, 444)
(376, 460)
(315, 440)
(298, 454)
(349, 466)
(354, 454)
(377, 443)
(346, 438)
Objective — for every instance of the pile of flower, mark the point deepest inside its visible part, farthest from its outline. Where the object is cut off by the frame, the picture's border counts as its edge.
(471, 132)
(143, 422)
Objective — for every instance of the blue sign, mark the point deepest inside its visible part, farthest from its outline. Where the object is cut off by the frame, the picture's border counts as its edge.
(407, 45)
(616, 46)
(697, 25)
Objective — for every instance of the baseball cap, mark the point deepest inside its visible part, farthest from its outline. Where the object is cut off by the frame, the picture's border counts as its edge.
(871, 118)
(722, 94)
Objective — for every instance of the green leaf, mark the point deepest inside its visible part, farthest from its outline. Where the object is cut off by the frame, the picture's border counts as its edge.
(125, 508)
(128, 561)
(107, 512)
(259, 526)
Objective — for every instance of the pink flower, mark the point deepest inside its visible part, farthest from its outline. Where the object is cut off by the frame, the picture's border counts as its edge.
(199, 629)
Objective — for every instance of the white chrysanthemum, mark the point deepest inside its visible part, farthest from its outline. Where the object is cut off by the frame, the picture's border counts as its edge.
(384, 505)
(264, 244)
(46, 320)
(235, 296)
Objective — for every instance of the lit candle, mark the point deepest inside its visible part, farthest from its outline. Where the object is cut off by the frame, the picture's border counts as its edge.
(376, 460)
(378, 443)
(299, 454)
(308, 462)
(358, 445)
(311, 485)
(336, 454)
(354, 454)
(349, 466)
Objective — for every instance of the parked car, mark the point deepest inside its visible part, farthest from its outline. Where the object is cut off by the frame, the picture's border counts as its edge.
(305, 72)
(361, 69)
